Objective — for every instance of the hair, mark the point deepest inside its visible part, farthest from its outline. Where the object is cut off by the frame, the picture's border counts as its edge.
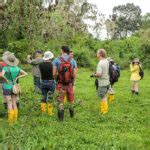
(102, 53)
(71, 51)
(65, 49)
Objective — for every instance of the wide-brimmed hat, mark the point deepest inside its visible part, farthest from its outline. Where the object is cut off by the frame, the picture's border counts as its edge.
(7, 53)
(48, 55)
(10, 60)
(136, 60)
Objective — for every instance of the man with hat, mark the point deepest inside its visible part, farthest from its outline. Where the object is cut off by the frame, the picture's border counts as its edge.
(47, 71)
(135, 77)
(11, 73)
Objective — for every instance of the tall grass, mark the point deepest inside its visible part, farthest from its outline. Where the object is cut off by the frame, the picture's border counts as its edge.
(126, 126)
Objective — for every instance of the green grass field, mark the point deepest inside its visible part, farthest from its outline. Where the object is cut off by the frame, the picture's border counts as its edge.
(126, 126)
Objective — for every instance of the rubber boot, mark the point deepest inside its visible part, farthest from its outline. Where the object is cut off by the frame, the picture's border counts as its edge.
(104, 107)
(43, 107)
(15, 114)
(71, 111)
(111, 97)
(50, 109)
(65, 99)
(61, 115)
(10, 116)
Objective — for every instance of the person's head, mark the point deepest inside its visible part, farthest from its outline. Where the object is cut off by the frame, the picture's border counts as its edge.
(71, 54)
(48, 55)
(10, 60)
(38, 54)
(65, 49)
(101, 53)
(136, 61)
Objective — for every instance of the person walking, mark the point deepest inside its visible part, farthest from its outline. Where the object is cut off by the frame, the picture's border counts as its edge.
(102, 74)
(65, 66)
(11, 73)
(47, 71)
(135, 77)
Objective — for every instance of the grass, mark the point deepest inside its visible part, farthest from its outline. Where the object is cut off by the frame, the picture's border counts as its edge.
(126, 126)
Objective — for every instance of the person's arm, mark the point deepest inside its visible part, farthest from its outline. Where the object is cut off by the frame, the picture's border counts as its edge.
(3, 77)
(54, 71)
(22, 74)
(98, 73)
(133, 68)
(33, 61)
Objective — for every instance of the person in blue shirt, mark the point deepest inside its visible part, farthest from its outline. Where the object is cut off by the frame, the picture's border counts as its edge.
(62, 87)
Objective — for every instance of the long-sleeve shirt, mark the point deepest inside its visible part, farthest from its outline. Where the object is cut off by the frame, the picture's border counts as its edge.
(35, 66)
(135, 69)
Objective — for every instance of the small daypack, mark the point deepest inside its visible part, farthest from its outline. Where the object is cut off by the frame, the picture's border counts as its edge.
(141, 73)
(65, 73)
(114, 74)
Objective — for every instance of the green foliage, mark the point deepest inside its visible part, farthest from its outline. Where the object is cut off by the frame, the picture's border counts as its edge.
(127, 18)
(126, 126)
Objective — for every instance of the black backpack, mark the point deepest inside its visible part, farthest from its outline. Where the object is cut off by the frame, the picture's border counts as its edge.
(114, 74)
(141, 73)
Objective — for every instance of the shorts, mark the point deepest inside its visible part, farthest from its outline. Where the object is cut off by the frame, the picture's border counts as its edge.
(7, 92)
(65, 89)
(102, 91)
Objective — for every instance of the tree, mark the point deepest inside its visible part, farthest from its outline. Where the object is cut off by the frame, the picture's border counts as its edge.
(127, 19)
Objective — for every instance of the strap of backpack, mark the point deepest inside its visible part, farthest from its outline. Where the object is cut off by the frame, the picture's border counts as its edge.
(10, 75)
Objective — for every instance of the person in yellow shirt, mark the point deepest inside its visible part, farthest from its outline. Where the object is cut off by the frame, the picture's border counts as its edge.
(135, 77)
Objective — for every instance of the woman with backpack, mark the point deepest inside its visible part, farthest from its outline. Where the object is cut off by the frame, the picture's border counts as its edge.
(11, 73)
(135, 77)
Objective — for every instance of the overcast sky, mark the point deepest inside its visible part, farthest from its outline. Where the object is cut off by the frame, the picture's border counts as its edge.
(106, 6)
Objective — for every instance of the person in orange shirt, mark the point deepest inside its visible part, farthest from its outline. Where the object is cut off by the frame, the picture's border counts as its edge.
(135, 77)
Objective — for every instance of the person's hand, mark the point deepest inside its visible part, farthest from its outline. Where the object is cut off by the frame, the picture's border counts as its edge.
(29, 57)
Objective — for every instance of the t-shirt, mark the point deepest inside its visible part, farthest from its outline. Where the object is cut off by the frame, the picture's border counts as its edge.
(15, 71)
(57, 61)
(103, 69)
(46, 69)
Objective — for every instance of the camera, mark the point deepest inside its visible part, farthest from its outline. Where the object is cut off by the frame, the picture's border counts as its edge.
(92, 75)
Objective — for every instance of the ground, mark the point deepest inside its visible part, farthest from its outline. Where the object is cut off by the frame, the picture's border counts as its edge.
(126, 126)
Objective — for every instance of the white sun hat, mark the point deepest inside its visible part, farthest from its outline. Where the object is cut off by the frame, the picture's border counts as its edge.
(48, 55)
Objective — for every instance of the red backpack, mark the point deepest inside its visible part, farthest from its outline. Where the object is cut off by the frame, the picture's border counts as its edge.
(65, 73)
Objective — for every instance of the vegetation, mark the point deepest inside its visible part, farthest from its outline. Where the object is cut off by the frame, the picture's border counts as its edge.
(126, 126)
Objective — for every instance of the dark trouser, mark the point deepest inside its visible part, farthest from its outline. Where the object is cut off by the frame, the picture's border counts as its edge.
(48, 88)
(37, 83)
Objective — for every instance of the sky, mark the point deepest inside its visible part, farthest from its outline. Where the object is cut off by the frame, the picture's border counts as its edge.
(106, 7)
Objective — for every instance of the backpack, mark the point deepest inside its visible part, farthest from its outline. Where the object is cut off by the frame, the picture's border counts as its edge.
(141, 73)
(65, 73)
(114, 73)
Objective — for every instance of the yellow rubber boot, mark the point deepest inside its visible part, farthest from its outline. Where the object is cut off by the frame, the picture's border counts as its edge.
(111, 97)
(104, 107)
(50, 109)
(11, 116)
(15, 114)
(43, 107)
(65, 99)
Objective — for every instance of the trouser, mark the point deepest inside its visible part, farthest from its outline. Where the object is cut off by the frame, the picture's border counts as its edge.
(37, 84)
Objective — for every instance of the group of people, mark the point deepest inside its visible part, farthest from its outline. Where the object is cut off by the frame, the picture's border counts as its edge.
(58, 76)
